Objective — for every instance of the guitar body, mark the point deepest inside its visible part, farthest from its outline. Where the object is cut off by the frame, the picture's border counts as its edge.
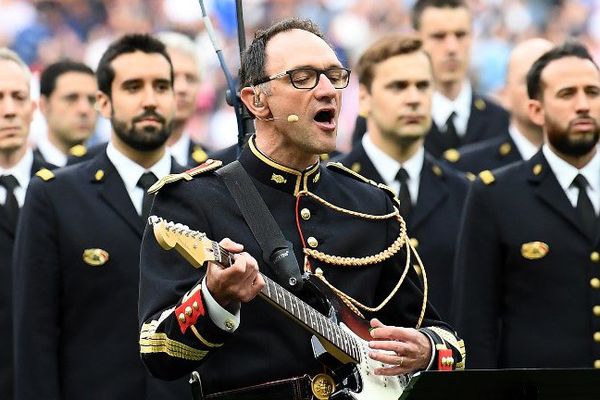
(354, 381)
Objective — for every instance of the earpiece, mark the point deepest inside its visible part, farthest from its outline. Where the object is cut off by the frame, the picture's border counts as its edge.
(257, 102)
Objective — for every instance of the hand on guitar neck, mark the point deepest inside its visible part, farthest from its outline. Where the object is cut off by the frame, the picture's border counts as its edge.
(240, 282)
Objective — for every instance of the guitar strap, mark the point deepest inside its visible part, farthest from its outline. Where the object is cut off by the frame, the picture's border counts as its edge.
(277, 251)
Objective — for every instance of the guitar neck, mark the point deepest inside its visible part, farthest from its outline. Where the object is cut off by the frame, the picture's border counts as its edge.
(302, 313)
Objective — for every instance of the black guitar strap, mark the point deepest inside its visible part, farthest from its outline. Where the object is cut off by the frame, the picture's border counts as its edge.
(277, 251)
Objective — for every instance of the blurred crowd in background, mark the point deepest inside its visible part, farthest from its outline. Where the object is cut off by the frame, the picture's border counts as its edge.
(43, 31)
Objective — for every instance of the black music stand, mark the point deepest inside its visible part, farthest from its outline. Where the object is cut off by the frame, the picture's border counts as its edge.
(507, 384)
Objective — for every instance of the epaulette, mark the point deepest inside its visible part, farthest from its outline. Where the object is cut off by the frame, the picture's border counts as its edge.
(487, 177)
(339, 167)
(78, 150)
(452, 155)
(208, 165)
(45, 174)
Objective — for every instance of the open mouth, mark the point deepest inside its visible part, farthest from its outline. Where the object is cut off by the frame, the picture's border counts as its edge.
(325, 116)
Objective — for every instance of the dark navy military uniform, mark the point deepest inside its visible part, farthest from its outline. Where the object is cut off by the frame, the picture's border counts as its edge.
(486, 120)
(528, 275)
(76, 290)
(268, 345)
(7, 240)
(434, 221)
(490, 154)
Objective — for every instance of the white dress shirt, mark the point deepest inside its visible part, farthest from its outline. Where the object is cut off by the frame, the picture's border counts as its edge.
(442, 107)
(131, 172)
(524, 146)
(565, 173)
(388, 167)
(50, 152)
(180, 150)
(22, 172)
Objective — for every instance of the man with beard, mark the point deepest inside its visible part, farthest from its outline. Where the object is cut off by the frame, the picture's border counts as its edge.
(67, 97)
(396, 87)
(77, 247)
(528, 268)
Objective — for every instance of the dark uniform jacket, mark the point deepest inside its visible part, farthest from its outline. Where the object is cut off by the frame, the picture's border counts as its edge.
(486, 120)
(7, 240)
(434, 222)
(490, 154)
(76, 290)
(268, 345)
(528, 285)
(197, 154)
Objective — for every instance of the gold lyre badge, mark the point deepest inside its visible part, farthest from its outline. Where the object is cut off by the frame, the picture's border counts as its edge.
(534, 250)
(322, 386)
(278, 178)
(95, 257)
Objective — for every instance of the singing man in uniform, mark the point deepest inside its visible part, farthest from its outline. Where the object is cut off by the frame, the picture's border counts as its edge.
(339, 224)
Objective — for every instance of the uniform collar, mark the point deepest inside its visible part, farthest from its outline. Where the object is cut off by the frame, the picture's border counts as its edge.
(442, 107)
(130, 171)
(278, 176)
(565, 172)
(525, 147)
(180, 150)
(50, 152)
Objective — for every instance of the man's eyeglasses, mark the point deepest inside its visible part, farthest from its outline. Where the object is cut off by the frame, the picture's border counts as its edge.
(308, 78)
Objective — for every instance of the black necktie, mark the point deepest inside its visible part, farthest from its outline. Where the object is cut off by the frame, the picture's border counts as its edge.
(450, 136)
(11, 206)
(584, 206)
(146, 180)
(404, 194)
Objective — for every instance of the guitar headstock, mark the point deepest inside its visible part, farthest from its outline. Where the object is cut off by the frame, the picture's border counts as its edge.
(193, 245)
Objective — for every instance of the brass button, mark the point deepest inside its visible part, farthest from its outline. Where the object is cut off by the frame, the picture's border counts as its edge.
(312, 242)
(595, 283)
(596, 336)
(595, 256)
(305, 214)
(229, 324)
(417, 268)
(188, 311)
(596, 311)
(597, 364)
(195, 305)
(182, 317)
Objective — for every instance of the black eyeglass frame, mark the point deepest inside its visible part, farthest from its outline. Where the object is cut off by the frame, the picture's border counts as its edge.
(319, 72)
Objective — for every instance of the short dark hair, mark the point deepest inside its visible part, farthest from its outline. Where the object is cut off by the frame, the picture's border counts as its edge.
(105, 74)
(421, 5)
(381, 50)
(252, 68)
(53, 71)
(570, 48)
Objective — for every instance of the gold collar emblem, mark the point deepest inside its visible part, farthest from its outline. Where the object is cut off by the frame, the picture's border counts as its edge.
(95, 257)
(534, 250)
(278, 178)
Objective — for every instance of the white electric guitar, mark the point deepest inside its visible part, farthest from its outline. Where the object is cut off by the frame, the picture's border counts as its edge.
(341, 334)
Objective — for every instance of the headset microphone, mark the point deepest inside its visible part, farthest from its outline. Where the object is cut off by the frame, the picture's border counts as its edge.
(291, 118)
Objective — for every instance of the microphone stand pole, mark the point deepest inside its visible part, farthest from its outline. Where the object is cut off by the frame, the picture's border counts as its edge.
(244, 121)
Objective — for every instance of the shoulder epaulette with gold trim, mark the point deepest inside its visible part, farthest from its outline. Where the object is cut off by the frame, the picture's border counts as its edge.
(487, 177)
(208, 165)
(339, 167)
(45, 174)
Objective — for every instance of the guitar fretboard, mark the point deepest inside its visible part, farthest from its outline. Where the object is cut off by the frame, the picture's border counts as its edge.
(299, 310)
